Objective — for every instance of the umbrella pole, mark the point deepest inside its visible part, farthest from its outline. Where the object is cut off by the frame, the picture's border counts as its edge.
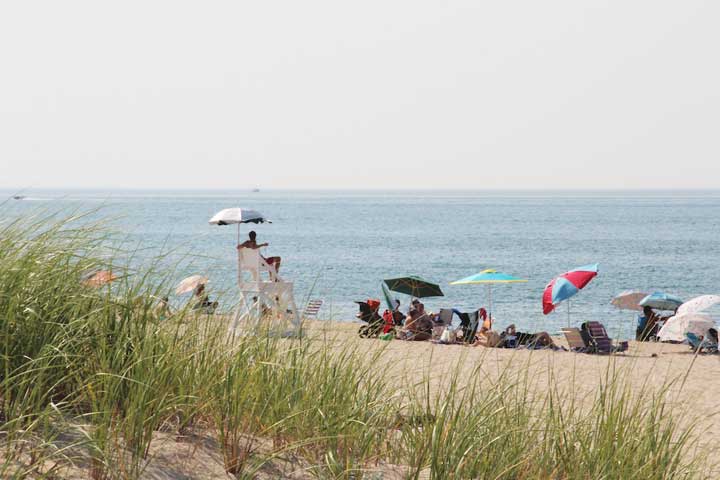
(568, 309)
(239, 273)
(490, 309)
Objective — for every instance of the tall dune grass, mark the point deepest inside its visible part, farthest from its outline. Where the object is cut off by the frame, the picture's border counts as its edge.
(88, 377)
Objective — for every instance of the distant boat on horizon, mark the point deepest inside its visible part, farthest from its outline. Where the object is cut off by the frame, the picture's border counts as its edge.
(18, 197)
(255, 190)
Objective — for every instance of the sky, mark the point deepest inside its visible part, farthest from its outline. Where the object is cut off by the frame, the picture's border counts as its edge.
(373, 94)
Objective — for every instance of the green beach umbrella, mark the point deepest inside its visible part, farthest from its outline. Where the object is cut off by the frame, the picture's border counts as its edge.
(414, 286)
(488, 277)
(388, 297)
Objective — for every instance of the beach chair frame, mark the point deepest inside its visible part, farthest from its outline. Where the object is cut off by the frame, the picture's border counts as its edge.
(575, 340)
(601, 342)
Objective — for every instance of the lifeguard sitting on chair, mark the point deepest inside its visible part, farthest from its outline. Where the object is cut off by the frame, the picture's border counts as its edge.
(252, 244)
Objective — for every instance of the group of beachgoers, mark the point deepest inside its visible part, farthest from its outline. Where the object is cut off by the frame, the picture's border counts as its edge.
(417, 324)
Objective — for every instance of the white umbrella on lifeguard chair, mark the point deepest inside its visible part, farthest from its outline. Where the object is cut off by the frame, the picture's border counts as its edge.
(237, 216)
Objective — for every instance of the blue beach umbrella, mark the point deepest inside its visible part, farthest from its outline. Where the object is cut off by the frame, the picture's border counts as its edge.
(488, 277)
(661, 301)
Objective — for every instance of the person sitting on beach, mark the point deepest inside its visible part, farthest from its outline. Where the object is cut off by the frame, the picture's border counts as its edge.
(418, 324)
(511, 338)
(162, 308)
(710, 340)
(398, 316)
(251, 243)
(488, 338)
(646, 325)
(202, 300)
(713, 336)
(532, 340)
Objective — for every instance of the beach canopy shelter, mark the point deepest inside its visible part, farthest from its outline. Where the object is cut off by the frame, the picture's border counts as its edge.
(661, 301)
(676, 327)
(698, 304)
(190, 283)
(629, 300)
(414, 286)
(563, 287)
(488, 277)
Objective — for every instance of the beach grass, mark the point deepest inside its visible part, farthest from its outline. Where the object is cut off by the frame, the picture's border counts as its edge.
(90, 377)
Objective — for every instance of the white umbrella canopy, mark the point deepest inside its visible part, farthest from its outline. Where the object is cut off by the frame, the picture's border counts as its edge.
(237, 216)
(190, 283)
(629, 300)
(676, 327)
(232, 216)
(698, 304)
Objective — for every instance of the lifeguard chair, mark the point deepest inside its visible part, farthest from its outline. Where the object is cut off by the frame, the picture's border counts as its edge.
(264, 296)
(266, 300)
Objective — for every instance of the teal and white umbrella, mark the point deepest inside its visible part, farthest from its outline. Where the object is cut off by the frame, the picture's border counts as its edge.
(488, 277)
(661, 301)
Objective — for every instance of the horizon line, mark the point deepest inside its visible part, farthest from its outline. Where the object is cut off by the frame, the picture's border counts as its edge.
(367, 189)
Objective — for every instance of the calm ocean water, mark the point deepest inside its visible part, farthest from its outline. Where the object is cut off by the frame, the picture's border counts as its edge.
(340, 245)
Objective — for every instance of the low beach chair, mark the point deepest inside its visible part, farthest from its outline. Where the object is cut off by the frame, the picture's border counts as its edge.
(368, 312)
(575, 341)
(469, 326)
(312, 308)
(444, 318)
(250, 260)
(600, 340)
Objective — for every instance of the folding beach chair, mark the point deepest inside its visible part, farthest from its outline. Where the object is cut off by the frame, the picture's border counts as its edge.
(575, 340)
(600, 340)
(444, 318)
(312, 308)
(469, 326)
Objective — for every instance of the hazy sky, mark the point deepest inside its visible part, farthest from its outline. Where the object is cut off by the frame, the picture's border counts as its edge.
(335, 94)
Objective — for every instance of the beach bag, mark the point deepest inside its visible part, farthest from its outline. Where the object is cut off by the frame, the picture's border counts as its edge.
(445, 337)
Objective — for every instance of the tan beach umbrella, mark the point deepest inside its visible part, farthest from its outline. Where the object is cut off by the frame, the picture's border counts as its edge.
(190, 283)
(629, 300)
(99, 278)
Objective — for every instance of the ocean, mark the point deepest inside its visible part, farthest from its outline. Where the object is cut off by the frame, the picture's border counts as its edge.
(338, 246)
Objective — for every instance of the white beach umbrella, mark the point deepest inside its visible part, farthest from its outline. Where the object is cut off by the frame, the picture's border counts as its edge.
(190, 283)
(698, 304)
(677, 326)
(237, 216)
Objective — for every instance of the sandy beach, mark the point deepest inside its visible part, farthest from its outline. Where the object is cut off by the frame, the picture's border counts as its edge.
(686, 380)
(652, 365)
